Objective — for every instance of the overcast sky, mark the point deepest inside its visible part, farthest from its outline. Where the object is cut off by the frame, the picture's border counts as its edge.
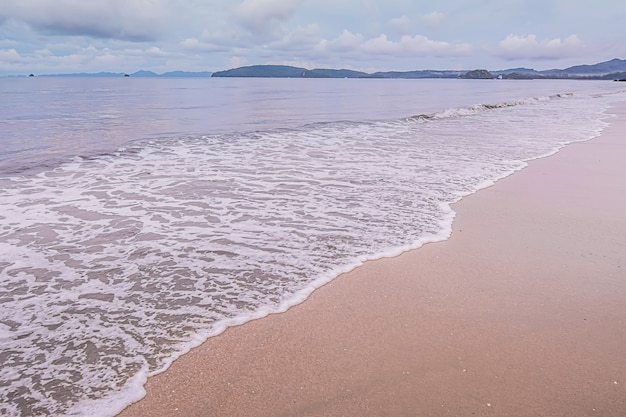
(59, 36)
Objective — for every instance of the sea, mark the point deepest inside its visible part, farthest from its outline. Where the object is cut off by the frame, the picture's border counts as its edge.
(141, 216)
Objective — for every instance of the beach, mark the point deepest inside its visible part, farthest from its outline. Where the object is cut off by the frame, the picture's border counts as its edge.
(520, 312)
(120, 260)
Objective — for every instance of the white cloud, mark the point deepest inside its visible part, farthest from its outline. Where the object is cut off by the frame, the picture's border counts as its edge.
(433, 20)
(345, 42)
(421, 45)
(11, 60)
(418, 44)
(155, 51)
(11, 56)
(355, 45)
(151, 52)
(257, 15)
(88, 58)
(197, 45)
(108, 60)
(529, 47)
(381, 45)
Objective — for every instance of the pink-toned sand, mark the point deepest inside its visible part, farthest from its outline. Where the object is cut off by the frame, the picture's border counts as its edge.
(522, 312)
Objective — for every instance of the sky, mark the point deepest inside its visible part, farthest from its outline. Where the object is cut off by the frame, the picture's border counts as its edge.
(67, 36)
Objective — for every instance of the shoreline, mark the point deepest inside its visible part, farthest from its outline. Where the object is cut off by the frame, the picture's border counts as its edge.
(453, 327)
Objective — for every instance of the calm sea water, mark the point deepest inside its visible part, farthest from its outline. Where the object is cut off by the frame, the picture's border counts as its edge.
(140, 216)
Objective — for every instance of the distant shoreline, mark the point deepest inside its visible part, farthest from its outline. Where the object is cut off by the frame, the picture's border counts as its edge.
(613, 70)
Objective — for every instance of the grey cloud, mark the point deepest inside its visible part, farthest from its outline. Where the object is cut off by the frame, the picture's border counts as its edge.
(135, 20)
(258, 15)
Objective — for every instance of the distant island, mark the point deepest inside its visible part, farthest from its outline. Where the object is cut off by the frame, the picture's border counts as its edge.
(142, 74)
(284, 71)
(614, 69)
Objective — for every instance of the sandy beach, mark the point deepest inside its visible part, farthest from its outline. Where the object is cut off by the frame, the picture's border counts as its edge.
(522, 312)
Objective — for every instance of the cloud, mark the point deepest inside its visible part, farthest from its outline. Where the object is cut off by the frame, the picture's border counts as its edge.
(433, 20)
(301, 38)
(8, 42)
(402, 24)
(136, 20)
(406, 46)
(220, 37)
(53, 35)
(155, 51)
(257, 15)
(10, 59)
(529, 47)
(196, 45)
(345, 42)
(381, 45)
(44, 52)
(421, 45)
(88, 58)
(200, 45)
(11, 56)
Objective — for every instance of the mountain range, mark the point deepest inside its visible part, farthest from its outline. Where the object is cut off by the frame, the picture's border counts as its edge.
(142, 73)
(614, 69)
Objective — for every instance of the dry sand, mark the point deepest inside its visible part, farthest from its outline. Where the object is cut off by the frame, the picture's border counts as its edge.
(522, 312)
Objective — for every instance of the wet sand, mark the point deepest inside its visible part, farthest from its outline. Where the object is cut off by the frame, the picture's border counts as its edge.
(522, 312)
